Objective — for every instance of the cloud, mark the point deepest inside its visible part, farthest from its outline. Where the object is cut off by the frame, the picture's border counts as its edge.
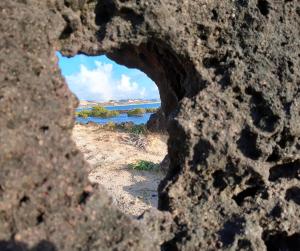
(127, 86)
(99, 84)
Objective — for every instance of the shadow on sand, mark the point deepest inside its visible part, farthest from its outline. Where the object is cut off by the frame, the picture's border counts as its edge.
(20, 246)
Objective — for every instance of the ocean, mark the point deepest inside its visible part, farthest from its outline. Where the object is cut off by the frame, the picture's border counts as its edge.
(122, 117)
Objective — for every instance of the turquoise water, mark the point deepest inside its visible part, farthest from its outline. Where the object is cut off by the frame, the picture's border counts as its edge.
(122, 117)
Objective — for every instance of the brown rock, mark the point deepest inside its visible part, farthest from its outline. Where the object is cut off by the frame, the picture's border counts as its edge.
(164, 165)
(157, 122)
(227, 72)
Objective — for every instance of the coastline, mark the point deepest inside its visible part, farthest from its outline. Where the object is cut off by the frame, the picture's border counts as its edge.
(129, 104)
(106, 104)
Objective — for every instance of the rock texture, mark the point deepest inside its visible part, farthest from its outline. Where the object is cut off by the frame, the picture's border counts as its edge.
(165, 163)
(227, 72)
(158, 122)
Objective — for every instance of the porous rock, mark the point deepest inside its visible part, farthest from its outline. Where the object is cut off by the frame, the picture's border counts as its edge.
(158, 122)
(228, 75)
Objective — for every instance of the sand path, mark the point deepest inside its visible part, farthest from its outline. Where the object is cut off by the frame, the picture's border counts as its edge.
(109, 154)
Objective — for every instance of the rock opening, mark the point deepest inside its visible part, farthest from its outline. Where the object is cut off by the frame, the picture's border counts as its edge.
(228, 75)
(126, 152)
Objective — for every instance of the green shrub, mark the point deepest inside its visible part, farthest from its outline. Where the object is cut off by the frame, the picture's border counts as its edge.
(101, 112)
(132, 128)
(151, 110)
(136, 112)
(83, 114)
(97, 111)
(144, 165)
(139, 129)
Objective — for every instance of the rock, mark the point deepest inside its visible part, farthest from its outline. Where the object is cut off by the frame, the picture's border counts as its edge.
(160, 224)
(157, 122)
(164, 165)
(93, 124)
(228, 76)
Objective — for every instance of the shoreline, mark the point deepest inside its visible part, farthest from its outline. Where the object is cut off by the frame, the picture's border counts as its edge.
(112, 105)
(129, 104)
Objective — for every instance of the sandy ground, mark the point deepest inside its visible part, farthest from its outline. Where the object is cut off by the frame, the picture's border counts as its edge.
(109, 154)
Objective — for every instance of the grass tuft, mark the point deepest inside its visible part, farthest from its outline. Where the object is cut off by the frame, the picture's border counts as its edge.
(144, 165)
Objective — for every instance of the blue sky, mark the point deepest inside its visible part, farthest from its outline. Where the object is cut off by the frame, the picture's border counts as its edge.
(100, 79)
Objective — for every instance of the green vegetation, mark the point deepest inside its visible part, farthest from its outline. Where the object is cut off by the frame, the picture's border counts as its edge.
(136, 112)
(144, 165)
(138, 129)
(141, 112)
(102, 112)
(111, 126)
(151, 110)
(83, 114)
(132, 128)
(128, 127)
(97, 111)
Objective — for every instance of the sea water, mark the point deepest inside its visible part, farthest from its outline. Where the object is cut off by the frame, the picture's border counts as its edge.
(122, 117)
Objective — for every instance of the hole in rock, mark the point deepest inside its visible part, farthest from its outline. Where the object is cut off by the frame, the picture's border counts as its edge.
(219, 179)
(120, 129)
(40, 218)
(279, 241)
(264, 7)
(276, 211)
(230, 229)
(293, 194)
(25, 199)
(255, 189)
(248, 192)
(263, 116)
(275, 156)
(286, 139)
(285, 171)
(247, 144)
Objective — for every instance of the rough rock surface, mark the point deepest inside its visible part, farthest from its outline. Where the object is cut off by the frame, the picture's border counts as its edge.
(165, 163)
(227, 71)
(158, 122)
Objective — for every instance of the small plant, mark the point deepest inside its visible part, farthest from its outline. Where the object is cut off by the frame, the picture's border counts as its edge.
(110, 126)
(138, 129)
(132, 128)
(136, 112)
(126, 126)
(144, 165)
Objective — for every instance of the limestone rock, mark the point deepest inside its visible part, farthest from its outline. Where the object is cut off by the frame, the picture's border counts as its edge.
(157, 122)
(228, 75)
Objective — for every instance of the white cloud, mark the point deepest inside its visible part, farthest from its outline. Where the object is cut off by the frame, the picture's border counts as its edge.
(99, 84)
(143, 92)
(126, 86)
